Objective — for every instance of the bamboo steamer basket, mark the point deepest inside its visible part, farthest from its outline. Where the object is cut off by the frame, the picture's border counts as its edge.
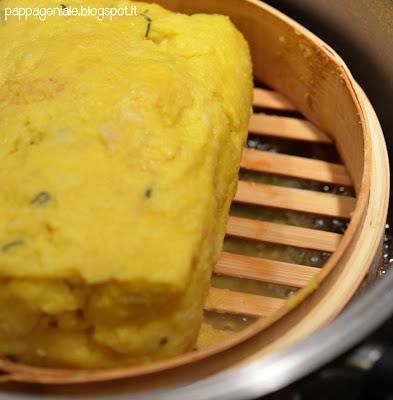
(307, 76)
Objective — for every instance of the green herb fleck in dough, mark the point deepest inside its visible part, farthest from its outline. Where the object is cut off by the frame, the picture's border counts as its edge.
(11, 357)
(41, 199)
(63, 6)
(149, 193)
(8, 246)
(149, 21)
(163, 341)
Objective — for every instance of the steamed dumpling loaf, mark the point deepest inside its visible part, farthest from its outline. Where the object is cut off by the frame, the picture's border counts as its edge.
(119, 154)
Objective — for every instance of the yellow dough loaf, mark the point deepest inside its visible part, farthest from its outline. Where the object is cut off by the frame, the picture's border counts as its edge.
(119, 153)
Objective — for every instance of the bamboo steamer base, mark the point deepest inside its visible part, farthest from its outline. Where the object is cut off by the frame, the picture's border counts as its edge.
(309, 77)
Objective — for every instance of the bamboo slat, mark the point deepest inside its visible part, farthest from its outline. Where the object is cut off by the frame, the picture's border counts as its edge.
(295, 199)
(288, 128)
(296, 167)
(283, 234)
(269, 99)
(228, 301)
(260, 269)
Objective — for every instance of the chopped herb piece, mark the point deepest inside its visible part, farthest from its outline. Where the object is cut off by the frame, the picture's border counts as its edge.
(41, 199)
(149, 193)
(7, 246)
(149, 21)
(63, 6)
(11, 357)
(163, 341)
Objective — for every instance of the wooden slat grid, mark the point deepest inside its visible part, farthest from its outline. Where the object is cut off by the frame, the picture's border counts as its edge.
(306, 201)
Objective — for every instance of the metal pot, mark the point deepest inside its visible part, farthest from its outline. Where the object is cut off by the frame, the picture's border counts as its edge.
(361, 31)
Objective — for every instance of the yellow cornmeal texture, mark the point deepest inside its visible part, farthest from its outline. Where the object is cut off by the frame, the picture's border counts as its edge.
(119, 155)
